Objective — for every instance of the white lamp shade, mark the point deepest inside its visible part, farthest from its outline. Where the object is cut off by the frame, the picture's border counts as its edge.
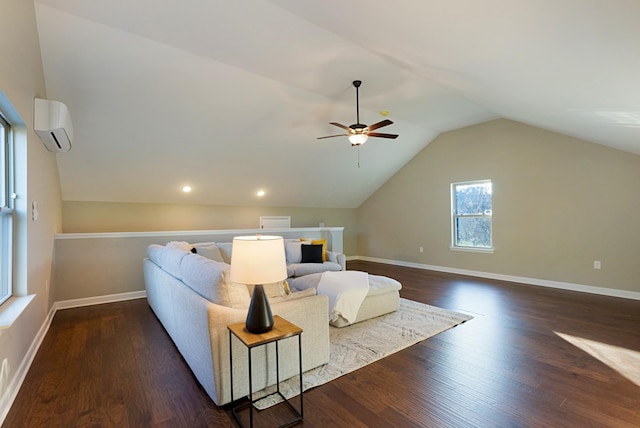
(258, 259)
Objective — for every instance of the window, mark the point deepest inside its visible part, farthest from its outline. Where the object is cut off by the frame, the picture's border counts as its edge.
(471, 215)
(6, 209)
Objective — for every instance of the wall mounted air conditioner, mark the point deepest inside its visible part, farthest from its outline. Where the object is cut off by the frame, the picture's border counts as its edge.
(52, 123)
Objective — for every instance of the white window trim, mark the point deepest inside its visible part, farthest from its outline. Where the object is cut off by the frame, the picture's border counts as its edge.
(12, 308)
(487, 250)
(7, 211)
(452, 246)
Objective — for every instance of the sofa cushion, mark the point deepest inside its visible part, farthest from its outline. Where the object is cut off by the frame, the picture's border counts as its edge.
(180, 245)
(274, 289)
(293, 296)
(322, 242)
(292, 250)
(225, 251)
(300, 269)
(311, 254)
(212, 281)
(382, 284)
(167, 258)
(210, 251)
(305, 282)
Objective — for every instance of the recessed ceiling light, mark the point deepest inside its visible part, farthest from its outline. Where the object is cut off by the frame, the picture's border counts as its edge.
(186, 189)
(260, 193)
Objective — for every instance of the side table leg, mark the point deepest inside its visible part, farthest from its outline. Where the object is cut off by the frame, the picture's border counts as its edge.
(300, 362)
(277, 368)
(231, 365)
(250, 391)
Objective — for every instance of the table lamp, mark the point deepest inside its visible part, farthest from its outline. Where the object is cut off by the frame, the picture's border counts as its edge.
(258, 260)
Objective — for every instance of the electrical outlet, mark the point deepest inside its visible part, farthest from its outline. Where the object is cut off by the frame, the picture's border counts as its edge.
(422, 249)
(597, 264)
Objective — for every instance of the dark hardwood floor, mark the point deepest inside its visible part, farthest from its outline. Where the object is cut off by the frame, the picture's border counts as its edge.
(516, 364)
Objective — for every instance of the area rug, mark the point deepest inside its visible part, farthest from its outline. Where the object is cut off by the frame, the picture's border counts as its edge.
(355, 346)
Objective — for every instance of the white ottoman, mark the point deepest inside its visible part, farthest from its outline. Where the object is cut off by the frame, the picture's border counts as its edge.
(383, 296)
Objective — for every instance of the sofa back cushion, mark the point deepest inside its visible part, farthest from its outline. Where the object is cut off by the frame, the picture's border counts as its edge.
(180, 245)
(311, 253)
(225, 251)
(322, 242)
(168, 258)
(209, 250)
(292, 250)
(212, 281)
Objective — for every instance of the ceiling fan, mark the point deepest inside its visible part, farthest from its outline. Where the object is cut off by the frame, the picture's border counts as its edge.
(358, 133)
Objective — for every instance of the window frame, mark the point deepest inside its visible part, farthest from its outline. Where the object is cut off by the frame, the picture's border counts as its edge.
(455, 216)
(7, 209)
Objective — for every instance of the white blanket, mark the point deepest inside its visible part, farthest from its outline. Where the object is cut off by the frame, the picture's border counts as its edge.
(346, 291)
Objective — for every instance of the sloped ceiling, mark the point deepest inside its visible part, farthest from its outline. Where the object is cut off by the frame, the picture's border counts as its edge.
(229, 96)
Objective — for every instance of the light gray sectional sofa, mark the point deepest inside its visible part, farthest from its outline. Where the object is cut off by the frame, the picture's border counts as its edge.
(194, 299)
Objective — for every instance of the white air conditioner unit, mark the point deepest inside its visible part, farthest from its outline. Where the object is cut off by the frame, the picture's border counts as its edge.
(52, 123)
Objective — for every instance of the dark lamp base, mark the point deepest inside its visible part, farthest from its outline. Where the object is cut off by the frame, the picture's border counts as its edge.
(259, 317)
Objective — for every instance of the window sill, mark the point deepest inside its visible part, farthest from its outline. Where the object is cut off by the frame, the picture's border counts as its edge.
(473, 250)
(12, 308)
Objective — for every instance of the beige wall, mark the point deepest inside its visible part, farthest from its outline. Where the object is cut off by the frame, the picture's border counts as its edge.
(22, 79)
(559, 203)
(84, 217)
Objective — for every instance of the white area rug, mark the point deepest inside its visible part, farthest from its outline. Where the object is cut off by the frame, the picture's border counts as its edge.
(363, 343)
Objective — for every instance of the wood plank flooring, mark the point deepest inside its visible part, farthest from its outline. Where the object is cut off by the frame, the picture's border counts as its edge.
(514, 365)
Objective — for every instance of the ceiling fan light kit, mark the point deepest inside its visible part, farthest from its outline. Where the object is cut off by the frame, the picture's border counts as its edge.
(358, 133)
(358, 139)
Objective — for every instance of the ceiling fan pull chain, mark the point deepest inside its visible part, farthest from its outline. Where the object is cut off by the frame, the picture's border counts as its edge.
(358, 156)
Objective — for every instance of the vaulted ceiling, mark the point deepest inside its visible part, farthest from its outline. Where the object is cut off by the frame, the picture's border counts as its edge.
(229, 96)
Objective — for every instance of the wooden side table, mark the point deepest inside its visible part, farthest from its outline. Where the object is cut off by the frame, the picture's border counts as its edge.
(282, 329)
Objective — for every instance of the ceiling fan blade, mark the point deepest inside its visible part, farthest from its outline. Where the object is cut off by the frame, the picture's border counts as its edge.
(339, 125)
(379, 125)
(331, 136)
(381, 135)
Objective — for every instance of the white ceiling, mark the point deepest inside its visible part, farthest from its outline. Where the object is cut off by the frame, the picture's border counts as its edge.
(229, 96)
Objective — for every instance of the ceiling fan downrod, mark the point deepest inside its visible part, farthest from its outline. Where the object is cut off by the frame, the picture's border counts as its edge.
(357, 84)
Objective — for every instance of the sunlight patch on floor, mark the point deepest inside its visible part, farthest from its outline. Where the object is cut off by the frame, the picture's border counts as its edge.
(624, 361)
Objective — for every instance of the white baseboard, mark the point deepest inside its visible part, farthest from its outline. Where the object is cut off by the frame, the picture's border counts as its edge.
(98, 300)
(611, 292)
(21, 373)
(6, 401)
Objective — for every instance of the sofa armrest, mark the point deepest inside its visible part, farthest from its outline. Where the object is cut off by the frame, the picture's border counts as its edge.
(339, 258)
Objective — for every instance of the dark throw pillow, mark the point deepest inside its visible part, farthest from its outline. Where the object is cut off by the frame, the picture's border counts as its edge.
(311, 253)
